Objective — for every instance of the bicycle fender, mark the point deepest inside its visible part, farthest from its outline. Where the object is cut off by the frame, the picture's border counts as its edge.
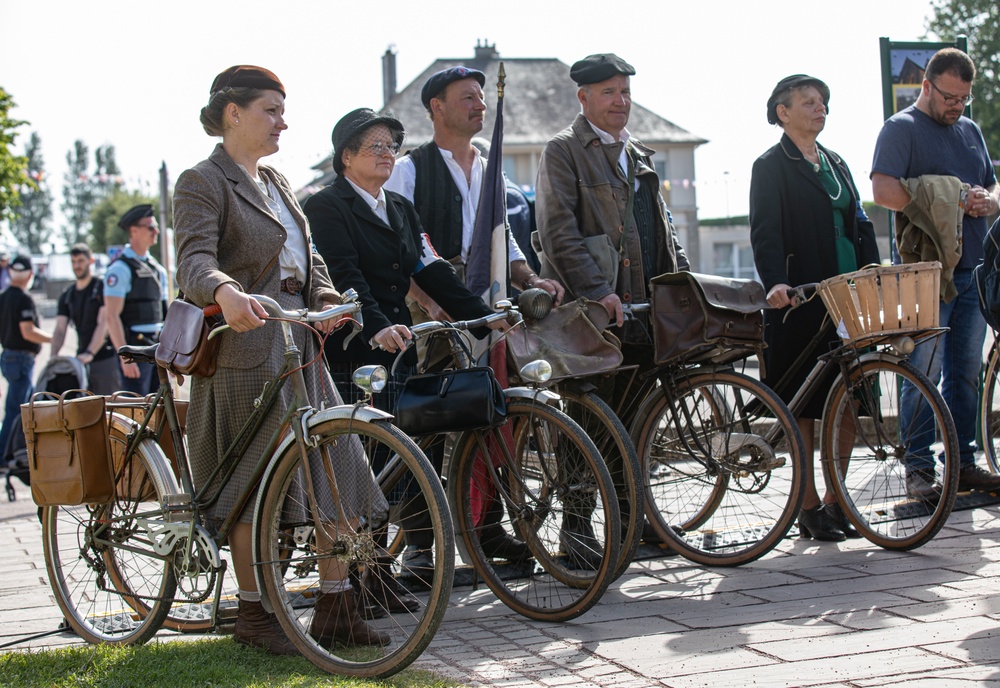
(159, 469)
(543, 395)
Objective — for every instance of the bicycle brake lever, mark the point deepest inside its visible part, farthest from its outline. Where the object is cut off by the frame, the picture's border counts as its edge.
(357, 324)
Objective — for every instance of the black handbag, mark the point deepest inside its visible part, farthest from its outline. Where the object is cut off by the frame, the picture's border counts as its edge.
(450, 401)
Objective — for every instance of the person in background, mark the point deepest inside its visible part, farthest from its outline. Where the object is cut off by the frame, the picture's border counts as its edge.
(21, 339)
(4, 270)
(240, 231)
(82, 304)
(135, 296)
(932, 138)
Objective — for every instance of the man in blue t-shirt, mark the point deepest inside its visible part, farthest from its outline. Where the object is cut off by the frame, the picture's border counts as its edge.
(932, 137)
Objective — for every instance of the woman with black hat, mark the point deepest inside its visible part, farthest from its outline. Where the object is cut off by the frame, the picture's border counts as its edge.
(806, 225)
(240, 231)
(372, 241)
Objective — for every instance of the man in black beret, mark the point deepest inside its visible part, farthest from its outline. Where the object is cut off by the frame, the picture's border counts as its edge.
(135, 292)
(604, 229)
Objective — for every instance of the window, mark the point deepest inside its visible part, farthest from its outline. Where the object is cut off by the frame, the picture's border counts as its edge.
(732, 259)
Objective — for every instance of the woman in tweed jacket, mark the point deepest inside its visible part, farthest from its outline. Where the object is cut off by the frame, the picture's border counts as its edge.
(239, 229)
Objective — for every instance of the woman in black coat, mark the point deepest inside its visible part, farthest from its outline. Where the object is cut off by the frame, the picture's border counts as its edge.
(372, 241)
(806, 225)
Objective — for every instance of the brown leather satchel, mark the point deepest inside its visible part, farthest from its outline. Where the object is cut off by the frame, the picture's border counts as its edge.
(69, 455)
(705, 318)
(184, 347)
(573, 338)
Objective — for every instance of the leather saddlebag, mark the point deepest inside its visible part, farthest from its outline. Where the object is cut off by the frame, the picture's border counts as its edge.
(184, 347)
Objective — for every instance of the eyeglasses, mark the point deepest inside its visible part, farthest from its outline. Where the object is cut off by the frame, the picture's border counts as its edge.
(950, 99)
(151, 227)
(378, 149)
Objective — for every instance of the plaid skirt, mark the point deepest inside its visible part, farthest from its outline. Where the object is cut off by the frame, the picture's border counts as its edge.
(221, 404)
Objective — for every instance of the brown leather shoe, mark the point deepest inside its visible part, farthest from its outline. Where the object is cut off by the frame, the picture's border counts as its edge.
(336, 620)
(255, 627)
(381, 592)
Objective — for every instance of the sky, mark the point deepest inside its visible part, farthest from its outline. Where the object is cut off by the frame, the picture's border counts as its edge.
(136, 74)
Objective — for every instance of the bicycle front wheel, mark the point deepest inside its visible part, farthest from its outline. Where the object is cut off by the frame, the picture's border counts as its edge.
(292, 553)
(989, 409)
(724, 467)
(615, 446)
(559, 500)
(867, 468)
(110, 584)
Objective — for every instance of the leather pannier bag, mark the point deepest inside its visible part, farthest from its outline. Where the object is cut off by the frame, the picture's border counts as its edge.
(450, 401)
(184, 347)
(573, 338)
(69, 455)
(706, 319)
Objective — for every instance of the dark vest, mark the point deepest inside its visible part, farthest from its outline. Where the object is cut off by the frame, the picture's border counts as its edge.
(437, 200)
(144, 302)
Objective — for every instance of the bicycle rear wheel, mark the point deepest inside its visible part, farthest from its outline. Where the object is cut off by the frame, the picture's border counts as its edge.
(724, 467)
(548, 473)
(290, 555)
(107, 580)
(615, 445)
(989, 409)
(869, 475)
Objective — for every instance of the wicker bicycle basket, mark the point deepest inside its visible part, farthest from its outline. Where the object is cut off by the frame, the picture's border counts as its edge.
(883, 301)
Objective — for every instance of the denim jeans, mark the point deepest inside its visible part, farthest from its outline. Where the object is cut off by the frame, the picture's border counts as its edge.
(146, 383)
(17, 367)
(956, 364)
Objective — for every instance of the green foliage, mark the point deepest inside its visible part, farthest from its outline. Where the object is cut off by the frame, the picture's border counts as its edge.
(30, 226)
(13, 168)
(104, 217)
(210, 662)
(980, 21)
(78, 194)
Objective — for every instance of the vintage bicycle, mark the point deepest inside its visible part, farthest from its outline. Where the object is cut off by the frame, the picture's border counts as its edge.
(120, 568)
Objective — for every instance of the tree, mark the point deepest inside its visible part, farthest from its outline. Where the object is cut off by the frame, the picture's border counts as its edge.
(980, 21)
(31, 225)
(106, 213)
(107, 177)
(13, 168)
(78, 194)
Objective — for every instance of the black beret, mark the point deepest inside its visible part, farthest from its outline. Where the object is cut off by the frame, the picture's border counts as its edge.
(594, 69)
(792, 82)
(354, 123)
(248, 76)
(133, 215)
(21, 263)
(439, 82)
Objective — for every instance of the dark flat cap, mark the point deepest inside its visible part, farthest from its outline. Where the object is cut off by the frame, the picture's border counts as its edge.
(792, 82)
(439, 82)
(594, 69)
(248, 76)
(355, 123)
(21, 263)
(134, 214)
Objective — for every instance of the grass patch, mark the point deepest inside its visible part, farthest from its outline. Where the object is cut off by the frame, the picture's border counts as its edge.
(211, 663)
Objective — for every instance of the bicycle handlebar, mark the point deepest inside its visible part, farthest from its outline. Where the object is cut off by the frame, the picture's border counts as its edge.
(349, 306)
(431, 326)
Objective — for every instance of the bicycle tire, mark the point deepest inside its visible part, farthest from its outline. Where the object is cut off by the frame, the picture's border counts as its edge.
(872, 491)
(724, 479)
(550, 586)
(989, 409)
(615, 446)
(289, 565)
(111, 587)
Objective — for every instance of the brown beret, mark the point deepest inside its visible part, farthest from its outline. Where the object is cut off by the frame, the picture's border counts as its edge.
(247, 76)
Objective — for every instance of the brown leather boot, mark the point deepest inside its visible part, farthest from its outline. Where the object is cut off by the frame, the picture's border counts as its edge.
(255, 627)
(336, 620)
(381, 592)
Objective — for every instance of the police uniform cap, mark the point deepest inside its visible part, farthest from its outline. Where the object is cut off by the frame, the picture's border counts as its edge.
(134, 214)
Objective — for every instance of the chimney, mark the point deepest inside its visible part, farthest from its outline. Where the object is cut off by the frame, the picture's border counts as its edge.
(388, 74)
(485, 52)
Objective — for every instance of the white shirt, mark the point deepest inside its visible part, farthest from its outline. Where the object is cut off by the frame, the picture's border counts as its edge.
(404, 180)
(294, 255)
(605, 137)
(376, 203)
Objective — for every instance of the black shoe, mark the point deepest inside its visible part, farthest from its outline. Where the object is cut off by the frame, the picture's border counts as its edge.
(580, 544)
(497, 543)
(840, 520)
(417, 566)
(818, 524)
(921, 484)
(973, 477)
(649, 535)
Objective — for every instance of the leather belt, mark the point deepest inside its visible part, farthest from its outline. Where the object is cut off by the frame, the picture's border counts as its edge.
(292, 286)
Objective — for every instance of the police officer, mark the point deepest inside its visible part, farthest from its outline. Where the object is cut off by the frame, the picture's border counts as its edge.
(135, 291)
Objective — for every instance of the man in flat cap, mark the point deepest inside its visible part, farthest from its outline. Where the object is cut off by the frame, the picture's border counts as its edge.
(21, 339)
(444, 180)
(135, 292)
(603, 226)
